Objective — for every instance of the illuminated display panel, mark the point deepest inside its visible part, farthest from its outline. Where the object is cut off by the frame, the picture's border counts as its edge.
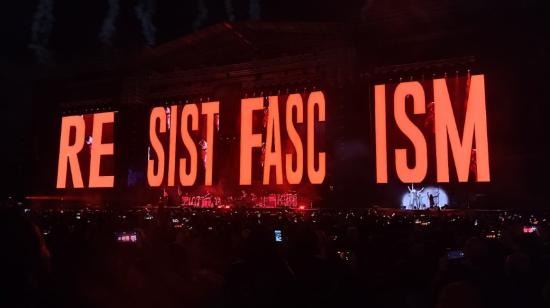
(432, 130)
(181, 138)
(86, 151)
(278, 141)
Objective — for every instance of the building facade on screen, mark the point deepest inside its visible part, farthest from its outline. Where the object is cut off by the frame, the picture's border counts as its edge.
(341, 114)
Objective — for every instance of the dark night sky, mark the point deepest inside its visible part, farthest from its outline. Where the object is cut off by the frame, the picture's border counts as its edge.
(77, 24)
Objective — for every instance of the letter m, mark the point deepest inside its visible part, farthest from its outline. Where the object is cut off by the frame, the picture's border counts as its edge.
(475, 128)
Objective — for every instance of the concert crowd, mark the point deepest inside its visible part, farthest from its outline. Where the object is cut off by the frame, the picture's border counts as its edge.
(183, 257)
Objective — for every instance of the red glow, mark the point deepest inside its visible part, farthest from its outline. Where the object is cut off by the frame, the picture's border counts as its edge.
(182, 125)
(474, 132)
(70, 150)
(418, 173)
(469, 147)
(315, 159)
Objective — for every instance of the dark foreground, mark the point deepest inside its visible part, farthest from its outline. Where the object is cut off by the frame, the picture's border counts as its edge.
(231, 258)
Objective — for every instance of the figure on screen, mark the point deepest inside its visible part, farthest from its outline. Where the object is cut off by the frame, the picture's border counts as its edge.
(89, 140)
(430, 118)
(415, 197)
(168, 116)
(431, 198)
(203, 147)
(262, 159)
(473, 164)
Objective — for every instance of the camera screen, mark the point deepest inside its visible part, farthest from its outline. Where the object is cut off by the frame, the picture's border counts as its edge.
(455, 254)
(126, 237)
